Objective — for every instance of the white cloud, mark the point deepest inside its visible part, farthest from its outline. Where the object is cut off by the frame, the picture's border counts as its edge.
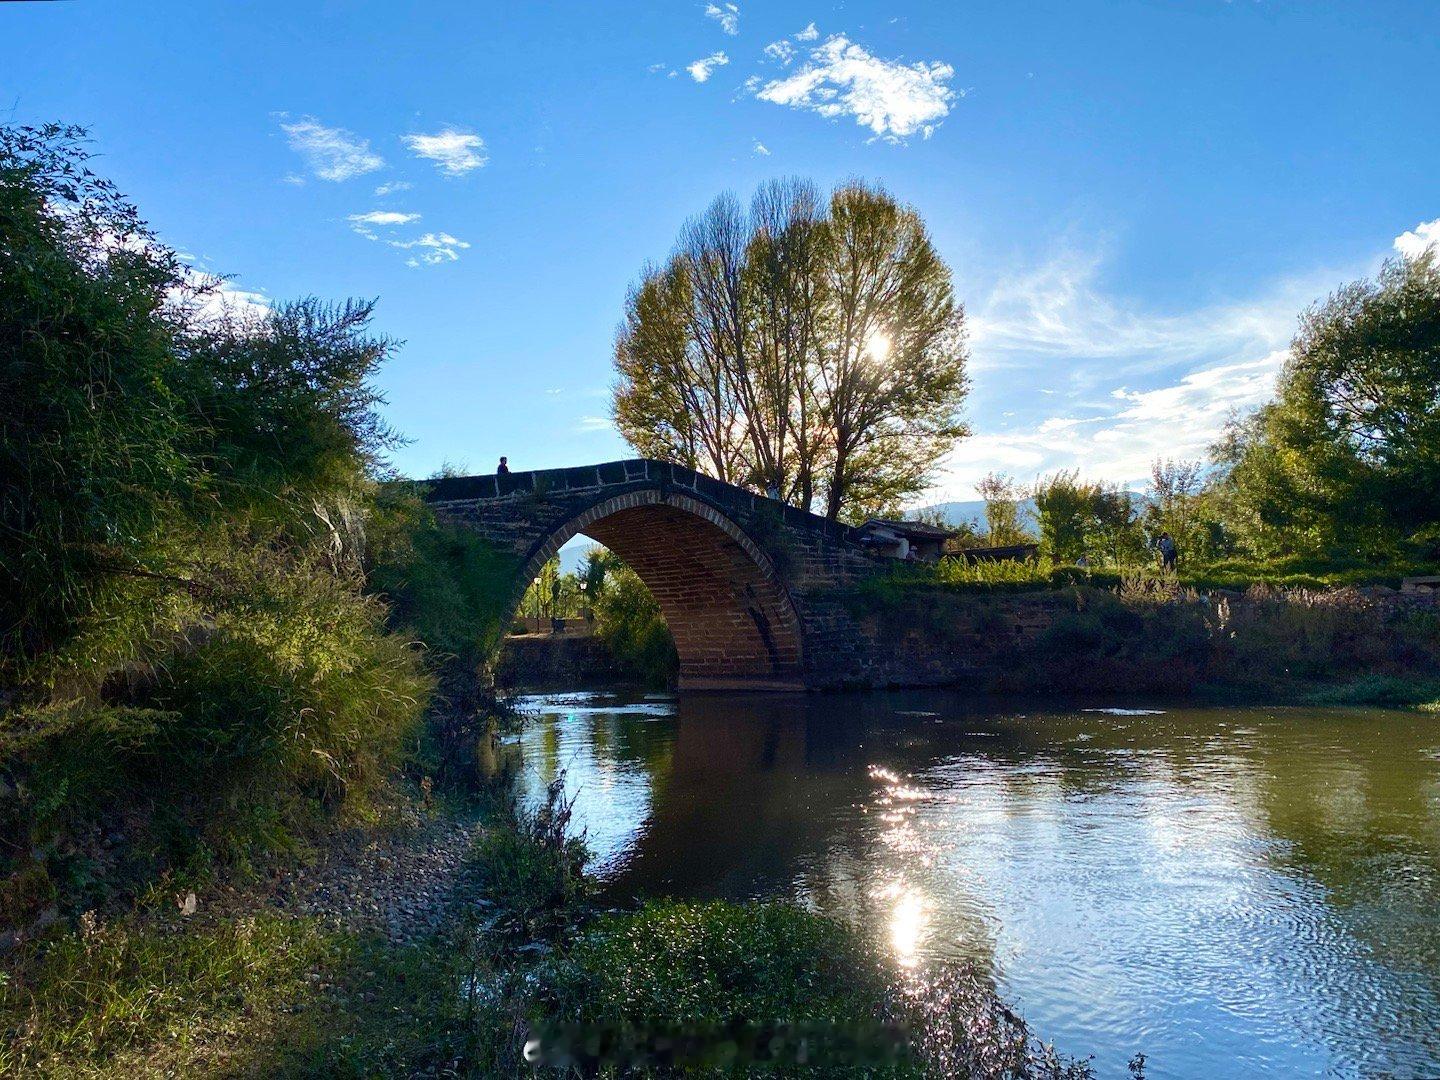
(1177, 420)
(206, 297)
(392, 187)
(1136, 384)
(454, 150)
(1060, 310)
(761, 149)
(892, 99)
(1417, 241)
(332, 153)
(781, 51)
(702, 69)
(808, 34)
(727, 15)
(590, 424)
(366, 224)
(431, 249)
(384, 217)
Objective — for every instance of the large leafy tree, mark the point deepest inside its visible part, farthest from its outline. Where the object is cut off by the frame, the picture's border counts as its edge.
(1347, 457)
(808, 349)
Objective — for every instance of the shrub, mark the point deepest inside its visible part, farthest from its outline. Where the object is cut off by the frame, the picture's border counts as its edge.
(628, 621)
(535, 869)
(184, 636)
(710, 969)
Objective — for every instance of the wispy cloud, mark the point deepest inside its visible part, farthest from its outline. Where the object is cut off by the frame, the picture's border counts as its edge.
(431, 249)
(366, 224)
(392, 187)
(1180, 419)
(891, 98)
(1138, 384)
(212, 298)
(727, 15)
(591, 424)
(702, 69)
(781, 51)
(1420, 239)
(808, 34)
(331, 153)
(761, 149)
(454, 150)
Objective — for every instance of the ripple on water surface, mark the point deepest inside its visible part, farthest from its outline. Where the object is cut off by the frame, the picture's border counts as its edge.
(1235, 892)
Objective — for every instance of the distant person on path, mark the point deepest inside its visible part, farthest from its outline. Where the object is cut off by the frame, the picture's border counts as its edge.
(1167, 551)
(503, 468)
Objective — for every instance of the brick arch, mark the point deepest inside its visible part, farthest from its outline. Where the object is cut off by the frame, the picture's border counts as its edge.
(733, 621)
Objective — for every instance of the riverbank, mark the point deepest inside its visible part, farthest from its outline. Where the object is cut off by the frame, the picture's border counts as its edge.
(437, 942)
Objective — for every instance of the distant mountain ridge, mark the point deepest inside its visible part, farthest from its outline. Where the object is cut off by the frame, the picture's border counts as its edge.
(972, 511)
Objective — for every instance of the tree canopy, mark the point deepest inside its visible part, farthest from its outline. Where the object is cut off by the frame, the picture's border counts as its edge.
(808, 348)
(1346, 459)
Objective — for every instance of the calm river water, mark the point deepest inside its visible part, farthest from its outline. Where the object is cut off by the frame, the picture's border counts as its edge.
(1236, 892)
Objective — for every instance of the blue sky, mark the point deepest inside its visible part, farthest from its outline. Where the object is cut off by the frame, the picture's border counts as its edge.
(1136, 198)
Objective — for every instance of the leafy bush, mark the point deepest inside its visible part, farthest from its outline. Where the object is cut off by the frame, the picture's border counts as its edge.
(534, 867)
(716, 967)
(628, 621)
(185, 642)
(714, 962)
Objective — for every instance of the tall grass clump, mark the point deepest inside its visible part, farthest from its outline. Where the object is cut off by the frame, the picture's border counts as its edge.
(190, 664)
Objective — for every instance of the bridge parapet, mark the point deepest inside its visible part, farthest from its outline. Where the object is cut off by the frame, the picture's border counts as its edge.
(643, 472)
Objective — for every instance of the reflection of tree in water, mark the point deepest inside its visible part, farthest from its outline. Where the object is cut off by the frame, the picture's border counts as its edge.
(760, 802)
(1359, 811)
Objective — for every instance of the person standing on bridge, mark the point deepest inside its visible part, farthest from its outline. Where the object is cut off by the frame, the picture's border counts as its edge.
(503, 468)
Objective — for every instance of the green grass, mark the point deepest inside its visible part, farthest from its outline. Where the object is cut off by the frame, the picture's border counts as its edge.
(1387, 690)
(1295, 572)
(261, 996)
(153, 997)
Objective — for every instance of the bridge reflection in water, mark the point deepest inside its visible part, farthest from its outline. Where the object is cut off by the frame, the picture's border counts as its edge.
(1235, 892)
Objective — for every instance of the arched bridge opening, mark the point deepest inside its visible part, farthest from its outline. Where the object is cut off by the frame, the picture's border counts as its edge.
(744, 582)
(733, 622)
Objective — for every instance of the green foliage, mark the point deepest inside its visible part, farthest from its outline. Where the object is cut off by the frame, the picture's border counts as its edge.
(1346, 460)
(240, 733)
(1089, 521)
(446, 585)
(184, 636)
(535, 867)
(85, 999)
(675, 966)
(253, 996)
(629, 622)
(91, 431)
(552, 594)
(807, 348)
(1002, 496)
(1066, 509)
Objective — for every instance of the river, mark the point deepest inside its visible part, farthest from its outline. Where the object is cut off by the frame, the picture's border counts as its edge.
(1233, 891)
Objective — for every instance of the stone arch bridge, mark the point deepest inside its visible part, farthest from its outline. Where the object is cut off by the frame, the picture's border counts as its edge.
(747, 584)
